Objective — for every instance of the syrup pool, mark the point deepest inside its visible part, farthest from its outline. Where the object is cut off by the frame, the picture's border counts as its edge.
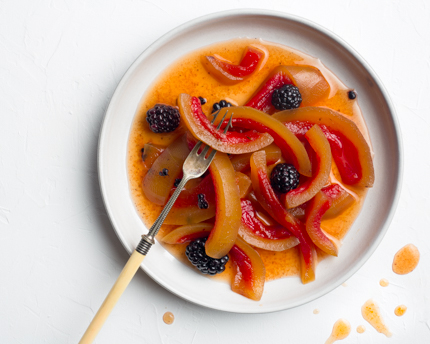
(372, 314)
(188, 75)
(341, 330)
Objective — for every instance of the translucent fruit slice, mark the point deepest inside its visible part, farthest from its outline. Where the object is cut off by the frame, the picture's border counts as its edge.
(320, 170)
(349, 148)
(160, 178)
(241, 162)
(150, 153)
(339, 198)
(228, 73)
(188, 233)
(311, 83)
(228, 209)
(249, 272)
(258, 234)
(292, 149)
(230, 142)
(314, 213)
(269, 201)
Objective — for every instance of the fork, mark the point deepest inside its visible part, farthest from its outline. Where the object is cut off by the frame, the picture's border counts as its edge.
(195, 165)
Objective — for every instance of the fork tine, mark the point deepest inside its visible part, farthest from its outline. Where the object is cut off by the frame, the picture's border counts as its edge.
(196, 148)
(215, 116)
(222, 120)
(229, 124)
(211, 156)
(204, 151)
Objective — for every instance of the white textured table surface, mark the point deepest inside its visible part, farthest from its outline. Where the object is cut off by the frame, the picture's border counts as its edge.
(60, 62)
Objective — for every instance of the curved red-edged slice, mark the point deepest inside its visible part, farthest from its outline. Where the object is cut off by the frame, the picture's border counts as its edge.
(351, 153)
(256, 233)
(188, 233)
(228, 209)
(291, 147)
(160, 178)
(339, 198)
(228, 73)
(320, 170)
(314, 213)
(241, 161)
(311, 83)
(186, 211)
(268, 200)
(202, 129)
(250, 274)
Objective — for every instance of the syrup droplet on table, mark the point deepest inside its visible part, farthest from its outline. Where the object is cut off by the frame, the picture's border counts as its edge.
(384, 282)
(341, 330)
(361, 329)
(168, 318)
(400, 310)
(316, 311)
(372, 314)
(406, 259)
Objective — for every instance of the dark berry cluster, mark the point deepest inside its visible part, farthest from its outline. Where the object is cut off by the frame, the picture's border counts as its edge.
(286, 97)
(163, 118)
(177, 181)
(164, 172)
(203, 101)
(221, 104)
(201, 202)
(197, 256)
(284, 178)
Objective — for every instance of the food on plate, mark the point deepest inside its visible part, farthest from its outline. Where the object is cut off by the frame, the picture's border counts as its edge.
(228, 73)
(290, 175)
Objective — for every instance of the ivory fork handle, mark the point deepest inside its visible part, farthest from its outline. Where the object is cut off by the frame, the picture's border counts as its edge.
(111, 299)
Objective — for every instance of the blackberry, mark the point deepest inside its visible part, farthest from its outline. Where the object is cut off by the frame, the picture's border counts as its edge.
(177, 181)
(203, 101)
(286, 97)
(197, 256)
(163, 118)
(284, 178)
(352, 95)
(201, 202)
(218, 106)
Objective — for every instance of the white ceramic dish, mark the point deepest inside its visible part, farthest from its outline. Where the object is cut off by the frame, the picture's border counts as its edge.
(378, 209)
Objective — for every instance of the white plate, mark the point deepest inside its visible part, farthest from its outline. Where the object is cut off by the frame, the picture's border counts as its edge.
(378, 209)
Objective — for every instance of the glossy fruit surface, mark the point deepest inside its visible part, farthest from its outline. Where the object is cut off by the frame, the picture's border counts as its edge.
(249, 272)
(258, 234)
(230, 142)
(228, 209)
(351, 153)
(292, 149)
(157, 183)
(228, 73)
(268, 200)
(188, 233)
(243, 183)
(314, 213)
(320, 170)
(311, 83)
(241, 162)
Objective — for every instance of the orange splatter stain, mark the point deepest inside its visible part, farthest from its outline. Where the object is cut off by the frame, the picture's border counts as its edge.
(400, 310)
(384, 282)
(406, 259)
(341, 330)
(168, 318)
(361, 329)
(372, 314)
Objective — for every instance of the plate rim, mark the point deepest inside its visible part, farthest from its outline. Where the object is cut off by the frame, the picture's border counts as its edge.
(276, 15)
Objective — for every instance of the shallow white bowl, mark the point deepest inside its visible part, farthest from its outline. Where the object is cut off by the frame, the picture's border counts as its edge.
(298, 33)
